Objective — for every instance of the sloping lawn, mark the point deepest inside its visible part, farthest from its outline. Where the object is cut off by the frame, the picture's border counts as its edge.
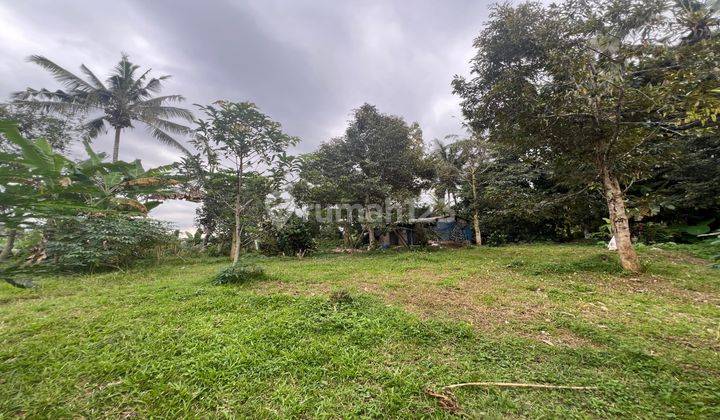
(161, 341)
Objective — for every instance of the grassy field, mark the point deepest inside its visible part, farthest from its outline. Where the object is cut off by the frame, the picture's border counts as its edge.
(161, 341)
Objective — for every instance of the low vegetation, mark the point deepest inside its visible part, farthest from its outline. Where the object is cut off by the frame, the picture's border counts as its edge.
(368, 334)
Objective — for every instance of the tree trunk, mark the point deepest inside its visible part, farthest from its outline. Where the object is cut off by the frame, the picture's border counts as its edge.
(476, 226)
(619, 221)
(116, 145)
(346, 236)
(476, 213)
(372, 243)
(235, 254)
(206, 238)
(9, 244)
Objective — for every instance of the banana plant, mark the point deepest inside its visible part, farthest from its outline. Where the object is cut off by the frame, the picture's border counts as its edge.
(37, 183)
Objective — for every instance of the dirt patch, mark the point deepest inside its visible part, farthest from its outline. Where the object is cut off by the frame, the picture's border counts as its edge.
(561, 337)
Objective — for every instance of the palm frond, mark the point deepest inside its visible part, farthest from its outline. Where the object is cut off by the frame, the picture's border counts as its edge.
(137, 86)
(168, 125)
(158, 100)
(125, 69)
(155, 84)
(67, 78)
(30, 93)
(54, 106)
(165, 138)
(95, 126)
(165, 112)
(96, 81)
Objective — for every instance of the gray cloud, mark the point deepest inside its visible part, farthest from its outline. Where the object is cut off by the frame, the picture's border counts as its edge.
(305, 63)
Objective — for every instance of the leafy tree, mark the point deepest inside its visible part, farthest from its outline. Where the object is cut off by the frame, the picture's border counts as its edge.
(252, 143)
(379, 158)
(124, 98)
(58, 130)
(326, 181)
(475, 161)
(101, 241)
(592, 88)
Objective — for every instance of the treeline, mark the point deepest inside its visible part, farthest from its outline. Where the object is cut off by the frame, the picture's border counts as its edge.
(618, 97)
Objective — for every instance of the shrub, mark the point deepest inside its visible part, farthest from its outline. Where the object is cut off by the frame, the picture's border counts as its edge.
(652, 233)
(497, 239)
(240, 272)
(293, 238)
(88, 243)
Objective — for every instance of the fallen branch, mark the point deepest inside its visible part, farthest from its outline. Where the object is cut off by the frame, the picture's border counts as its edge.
(448, 402)
(518, 385)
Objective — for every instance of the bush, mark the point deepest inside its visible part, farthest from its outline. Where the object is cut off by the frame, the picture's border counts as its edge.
(239, 273)
(497, 239)
(653, 233)
(89, 243)
(293, 238)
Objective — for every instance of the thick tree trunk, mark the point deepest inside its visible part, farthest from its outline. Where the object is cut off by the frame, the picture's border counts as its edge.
(238, 211)
(116, 145)
(9, 244)
(619, 221)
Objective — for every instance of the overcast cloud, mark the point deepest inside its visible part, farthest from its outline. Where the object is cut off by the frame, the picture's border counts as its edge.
(305, 63)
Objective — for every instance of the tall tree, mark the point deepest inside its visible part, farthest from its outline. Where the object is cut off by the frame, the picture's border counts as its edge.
(127, 96)
(251, 142)
(387, 161)
(591, 87)
(474, 162)
(379, 158)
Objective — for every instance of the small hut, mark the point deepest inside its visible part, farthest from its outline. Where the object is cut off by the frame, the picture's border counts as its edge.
(440, 230)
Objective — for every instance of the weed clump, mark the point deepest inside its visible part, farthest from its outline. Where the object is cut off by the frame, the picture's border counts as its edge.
(239, 273)
(340, 297)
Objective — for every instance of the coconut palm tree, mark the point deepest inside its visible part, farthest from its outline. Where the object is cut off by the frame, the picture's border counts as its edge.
(124, 98)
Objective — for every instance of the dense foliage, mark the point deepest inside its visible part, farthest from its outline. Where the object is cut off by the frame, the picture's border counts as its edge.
(603, 94)
(91, 243)
(379, 161)
(294, 237)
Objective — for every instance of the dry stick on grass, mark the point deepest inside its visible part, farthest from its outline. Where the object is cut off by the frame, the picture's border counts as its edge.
(518, 385)
(448, 401)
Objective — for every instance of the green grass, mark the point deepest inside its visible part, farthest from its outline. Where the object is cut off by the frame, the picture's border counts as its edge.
(162, 341)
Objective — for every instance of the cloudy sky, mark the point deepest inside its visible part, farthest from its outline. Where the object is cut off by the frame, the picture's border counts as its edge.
(305, 63)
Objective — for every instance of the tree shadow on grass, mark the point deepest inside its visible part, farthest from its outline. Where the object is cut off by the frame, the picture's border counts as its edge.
(600, 264)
